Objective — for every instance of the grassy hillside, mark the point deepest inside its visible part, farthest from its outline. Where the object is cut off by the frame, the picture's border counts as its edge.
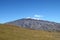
(10, 32)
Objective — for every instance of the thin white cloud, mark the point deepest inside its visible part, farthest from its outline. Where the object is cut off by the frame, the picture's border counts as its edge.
(28, 17)
(37, 17)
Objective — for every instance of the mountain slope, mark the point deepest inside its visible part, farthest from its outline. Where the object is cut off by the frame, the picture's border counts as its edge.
(10, 32)
(36, 24)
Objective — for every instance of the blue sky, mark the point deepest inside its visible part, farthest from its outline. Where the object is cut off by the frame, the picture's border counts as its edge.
(16, 9)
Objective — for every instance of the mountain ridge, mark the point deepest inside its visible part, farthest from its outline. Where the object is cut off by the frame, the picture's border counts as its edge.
(36, 24)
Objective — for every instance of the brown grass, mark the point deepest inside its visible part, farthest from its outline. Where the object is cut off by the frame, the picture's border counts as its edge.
(10, 32)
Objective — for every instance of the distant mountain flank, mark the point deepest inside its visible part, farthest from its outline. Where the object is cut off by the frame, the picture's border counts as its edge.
(36, 24)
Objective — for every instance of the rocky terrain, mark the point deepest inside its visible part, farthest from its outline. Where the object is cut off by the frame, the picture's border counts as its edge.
(36, 24)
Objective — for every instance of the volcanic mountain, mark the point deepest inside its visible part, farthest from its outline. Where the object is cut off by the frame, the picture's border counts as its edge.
(36, 24)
